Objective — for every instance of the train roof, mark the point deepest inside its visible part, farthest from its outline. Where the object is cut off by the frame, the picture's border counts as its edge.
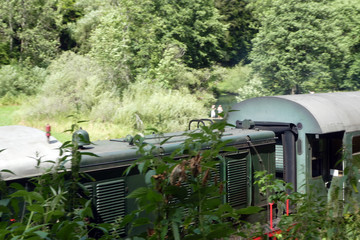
(118, 152)
(22, 147)
(315, 113)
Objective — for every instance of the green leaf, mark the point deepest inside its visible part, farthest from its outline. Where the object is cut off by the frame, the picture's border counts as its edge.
(126, 220)
(21, 193)
(153, 130)
(176, 232)
(7, 171)
(353, 183)
(32, 229)
(249, 210)
(17, 186)
(178, 192)
(82, 121)
(141, 166)
(229, 149)
(212, 203)
(56, 214)
(140, 222)
(139, 192)
(35, 208)
(41, 234)
(153, 196)
(4, 202)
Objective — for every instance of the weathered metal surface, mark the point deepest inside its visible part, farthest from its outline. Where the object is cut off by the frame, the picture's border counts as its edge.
(118, 152)
(22, 148)
(313, 114)
(317, 113)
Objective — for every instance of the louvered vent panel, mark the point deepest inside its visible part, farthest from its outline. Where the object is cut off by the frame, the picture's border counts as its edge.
(110, 200)
(279, 158)
(237, 182)
(89, 187)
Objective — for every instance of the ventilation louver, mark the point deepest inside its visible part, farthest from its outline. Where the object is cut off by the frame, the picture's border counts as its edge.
(237, 187)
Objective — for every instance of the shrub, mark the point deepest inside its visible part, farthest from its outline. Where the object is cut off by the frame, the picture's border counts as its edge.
(254, 88)
(234, 78)
(149, 105)
(74, 84)
(181, 201)
(18, 80)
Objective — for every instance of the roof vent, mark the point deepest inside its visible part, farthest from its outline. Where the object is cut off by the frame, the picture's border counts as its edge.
(81, 138)
(248, 124)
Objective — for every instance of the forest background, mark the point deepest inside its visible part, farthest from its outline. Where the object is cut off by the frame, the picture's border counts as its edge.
(127, 65)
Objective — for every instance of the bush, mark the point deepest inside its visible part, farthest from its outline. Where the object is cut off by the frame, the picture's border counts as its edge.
(16, 80)
(149, 105)
(181, 200)
(234, 78)
(254, 88)
(75, 84)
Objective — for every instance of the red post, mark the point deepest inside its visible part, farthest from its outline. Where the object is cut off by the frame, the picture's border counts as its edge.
(271, 216)
(287, 206)
(48, 132)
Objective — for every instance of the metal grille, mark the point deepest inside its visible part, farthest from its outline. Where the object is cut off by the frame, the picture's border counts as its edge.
(279, 158)
(237, 186)
(89, 187)
(110, 200)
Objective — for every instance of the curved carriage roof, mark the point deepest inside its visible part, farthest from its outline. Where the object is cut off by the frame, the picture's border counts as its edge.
(317, 113)
(21, 148)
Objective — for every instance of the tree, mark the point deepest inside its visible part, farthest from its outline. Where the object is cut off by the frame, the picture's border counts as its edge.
(307, 46)
(238, 16)
(70, 13)
(195, 26)
(134, 37)
(31, 28)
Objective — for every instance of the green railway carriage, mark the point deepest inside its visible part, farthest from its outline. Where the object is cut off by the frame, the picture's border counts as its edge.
(255, 152)
(308, 140)
(318, 135)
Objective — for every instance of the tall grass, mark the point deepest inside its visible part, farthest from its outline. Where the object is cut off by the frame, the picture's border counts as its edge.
(149, 105)
(7, 115)
(142, 106)
(96, 130)
(76, 85)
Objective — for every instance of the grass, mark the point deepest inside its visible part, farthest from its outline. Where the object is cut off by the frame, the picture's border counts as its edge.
(7, 115)
(97, 131)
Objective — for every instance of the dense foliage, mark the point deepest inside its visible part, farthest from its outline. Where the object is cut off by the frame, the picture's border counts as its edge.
(56, 205)
(307, 45)
(245, 48)
(50, 206)
(159, 63)
(183, 196)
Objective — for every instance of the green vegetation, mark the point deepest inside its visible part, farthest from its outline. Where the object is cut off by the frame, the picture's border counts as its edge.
(312, 217)
(307, 45)
(49, 207)
(52, 210)
(67, 57)
(7, 115)
(186, 186)
(128, 65)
